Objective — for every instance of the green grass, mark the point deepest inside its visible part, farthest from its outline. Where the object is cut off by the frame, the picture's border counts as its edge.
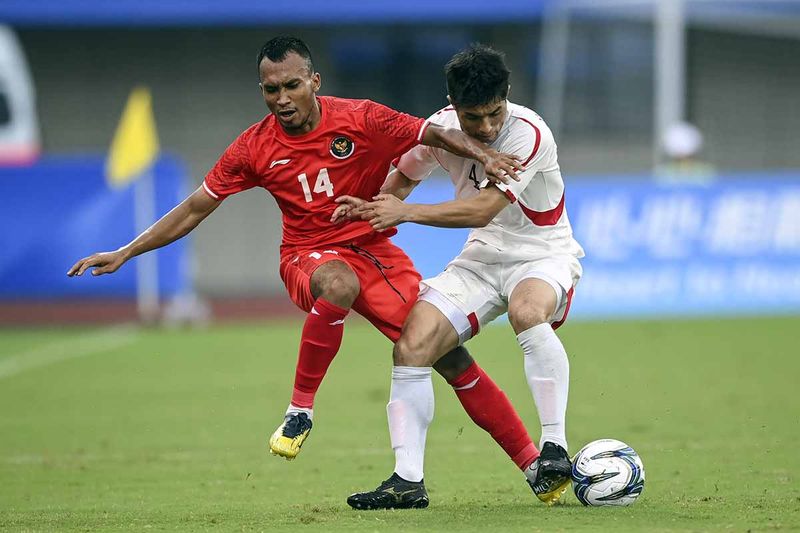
(166, 431)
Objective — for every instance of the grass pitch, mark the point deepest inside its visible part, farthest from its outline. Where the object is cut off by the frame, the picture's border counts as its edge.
(126, 430)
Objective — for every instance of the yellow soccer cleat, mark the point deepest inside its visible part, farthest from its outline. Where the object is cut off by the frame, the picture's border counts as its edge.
(550, 474)
(290, 436)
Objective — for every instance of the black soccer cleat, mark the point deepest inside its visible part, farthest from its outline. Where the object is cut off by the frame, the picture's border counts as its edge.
(394, 493)
(550, 474)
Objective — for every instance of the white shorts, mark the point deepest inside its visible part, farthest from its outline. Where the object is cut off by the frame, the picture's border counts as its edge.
(471, 293)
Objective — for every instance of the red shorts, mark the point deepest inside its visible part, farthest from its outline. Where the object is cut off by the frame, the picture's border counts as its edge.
(389, 281)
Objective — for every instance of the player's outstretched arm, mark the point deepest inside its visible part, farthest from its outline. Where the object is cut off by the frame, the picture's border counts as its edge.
(387, 211)
(172, 226)
(499, 167)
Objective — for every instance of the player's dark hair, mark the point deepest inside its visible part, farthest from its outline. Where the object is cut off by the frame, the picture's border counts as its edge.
(278, 48)
(477, 75)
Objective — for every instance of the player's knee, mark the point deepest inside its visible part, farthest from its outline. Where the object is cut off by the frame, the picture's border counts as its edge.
(409, 350)
(338, 285)
(527, 315)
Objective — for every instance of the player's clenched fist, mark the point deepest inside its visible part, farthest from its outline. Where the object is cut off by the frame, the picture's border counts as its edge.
(100, 263)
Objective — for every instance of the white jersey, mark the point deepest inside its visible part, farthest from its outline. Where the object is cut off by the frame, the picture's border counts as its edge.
(535, 225)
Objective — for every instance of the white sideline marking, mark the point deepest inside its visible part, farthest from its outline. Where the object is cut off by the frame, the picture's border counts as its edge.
(71, 348)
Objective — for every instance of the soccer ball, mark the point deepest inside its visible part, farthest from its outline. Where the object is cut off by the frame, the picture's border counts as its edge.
(607, 472)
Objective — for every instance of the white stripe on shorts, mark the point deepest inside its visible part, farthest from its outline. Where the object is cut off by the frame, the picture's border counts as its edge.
(456, 316)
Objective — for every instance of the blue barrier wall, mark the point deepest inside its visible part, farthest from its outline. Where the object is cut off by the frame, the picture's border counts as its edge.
(731, 247)
(60, 210)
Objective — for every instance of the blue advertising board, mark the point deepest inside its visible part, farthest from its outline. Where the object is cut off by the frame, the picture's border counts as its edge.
(729, 247)
(61, 209)
(256, 12)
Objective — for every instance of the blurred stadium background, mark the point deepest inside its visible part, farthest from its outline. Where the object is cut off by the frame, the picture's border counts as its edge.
(676, 122)
(610, 77)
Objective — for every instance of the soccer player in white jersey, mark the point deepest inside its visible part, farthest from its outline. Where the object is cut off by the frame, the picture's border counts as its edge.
(520, 258)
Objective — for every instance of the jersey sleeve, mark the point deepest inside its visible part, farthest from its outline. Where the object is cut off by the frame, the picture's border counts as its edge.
(233, 171)
(396, 130)
(536, 148)
(418, 163)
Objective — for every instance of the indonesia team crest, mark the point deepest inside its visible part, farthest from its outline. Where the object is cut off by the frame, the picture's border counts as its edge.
(342, 147)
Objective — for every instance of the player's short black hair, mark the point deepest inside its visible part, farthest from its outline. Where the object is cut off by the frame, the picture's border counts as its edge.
(477, 75)
(276, 50)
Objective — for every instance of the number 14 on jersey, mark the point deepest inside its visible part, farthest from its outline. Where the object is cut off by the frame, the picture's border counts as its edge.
(322, 184)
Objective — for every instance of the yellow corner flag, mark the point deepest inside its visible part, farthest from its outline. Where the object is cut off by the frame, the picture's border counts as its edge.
(135, 144)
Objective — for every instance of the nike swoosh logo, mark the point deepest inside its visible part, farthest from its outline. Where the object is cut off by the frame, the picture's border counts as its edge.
(279, 162)
(468, 385)
(336, 323)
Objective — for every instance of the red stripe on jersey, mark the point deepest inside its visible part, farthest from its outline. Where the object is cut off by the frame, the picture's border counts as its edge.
(448, 108)
(536, 143)
(474, 324)
(510, 196)
(558, 324)
(544, 218)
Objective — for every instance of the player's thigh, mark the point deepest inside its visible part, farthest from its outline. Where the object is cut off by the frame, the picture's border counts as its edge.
(427, 335)
(389, 285)
(538, 292)
(297, 268)
(468, 299)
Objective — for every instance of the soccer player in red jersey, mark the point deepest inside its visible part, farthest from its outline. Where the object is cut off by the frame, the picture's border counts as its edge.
(308, 151)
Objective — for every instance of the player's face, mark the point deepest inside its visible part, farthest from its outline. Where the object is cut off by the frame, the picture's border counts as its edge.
(483, 122)
(289, 89)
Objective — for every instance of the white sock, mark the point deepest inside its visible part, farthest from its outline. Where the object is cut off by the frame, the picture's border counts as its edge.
(547, 370)
(410, 411)
(294, 409)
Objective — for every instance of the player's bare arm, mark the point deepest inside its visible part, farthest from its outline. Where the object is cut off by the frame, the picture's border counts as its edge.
(387, 211)
(498, 165)
(397, 184)
(171, 227)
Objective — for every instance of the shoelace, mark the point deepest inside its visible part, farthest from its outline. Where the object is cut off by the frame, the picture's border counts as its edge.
(295, 425)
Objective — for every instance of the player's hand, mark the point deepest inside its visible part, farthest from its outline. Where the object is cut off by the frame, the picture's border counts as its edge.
(386, 211)
(100, 263)
(347, 208)
(501, 167)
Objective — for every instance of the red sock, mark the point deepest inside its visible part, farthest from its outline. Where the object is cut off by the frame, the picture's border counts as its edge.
(321, 338)
(488, 406)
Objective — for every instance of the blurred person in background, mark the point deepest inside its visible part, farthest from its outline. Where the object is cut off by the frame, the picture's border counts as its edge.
(307, 148)
(520, 258)
(682, 143)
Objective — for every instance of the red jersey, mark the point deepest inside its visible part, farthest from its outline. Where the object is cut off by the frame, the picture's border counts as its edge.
(349, 152)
